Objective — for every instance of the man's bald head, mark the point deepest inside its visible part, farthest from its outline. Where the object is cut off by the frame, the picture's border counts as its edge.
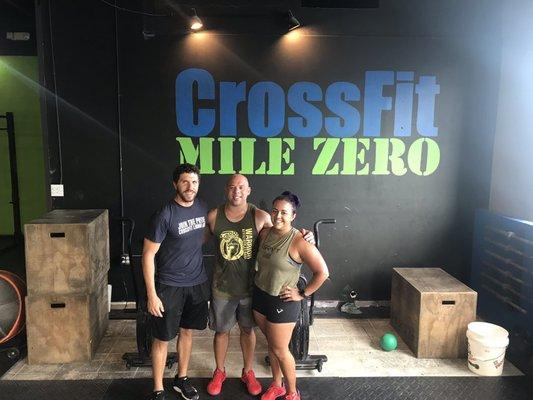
(237, 179)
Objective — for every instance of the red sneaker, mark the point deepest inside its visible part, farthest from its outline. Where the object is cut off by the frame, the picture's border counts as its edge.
(252, 384)
(293, 396)
(215, 385)
(273, 392)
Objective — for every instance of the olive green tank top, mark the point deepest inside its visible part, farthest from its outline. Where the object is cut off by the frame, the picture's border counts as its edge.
(275, 267)
(236, 248)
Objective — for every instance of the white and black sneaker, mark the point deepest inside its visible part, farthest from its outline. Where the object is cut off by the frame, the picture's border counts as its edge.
(157, 395)
(184, 388)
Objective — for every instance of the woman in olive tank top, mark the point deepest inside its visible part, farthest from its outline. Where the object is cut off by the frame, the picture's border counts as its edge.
(276, 299)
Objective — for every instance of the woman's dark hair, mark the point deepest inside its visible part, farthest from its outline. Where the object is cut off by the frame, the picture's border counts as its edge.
(185, 169)
(290, 198)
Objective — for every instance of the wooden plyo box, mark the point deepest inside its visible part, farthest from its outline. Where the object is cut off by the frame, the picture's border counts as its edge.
(431, 311)
(63, 328)
(67, 251)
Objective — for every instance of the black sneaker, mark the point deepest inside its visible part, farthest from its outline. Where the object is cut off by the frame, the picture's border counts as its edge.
(157, 395)
(184, 387)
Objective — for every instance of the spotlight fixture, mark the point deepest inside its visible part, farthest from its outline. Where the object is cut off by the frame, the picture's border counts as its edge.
(196, 22)
(293, 22)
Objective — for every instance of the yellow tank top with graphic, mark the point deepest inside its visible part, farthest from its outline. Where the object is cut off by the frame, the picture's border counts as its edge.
(236, 249)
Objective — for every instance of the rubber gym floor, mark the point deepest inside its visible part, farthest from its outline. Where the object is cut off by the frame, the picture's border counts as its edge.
(375, 388)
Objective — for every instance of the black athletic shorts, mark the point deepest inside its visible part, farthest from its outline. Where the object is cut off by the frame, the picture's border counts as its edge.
(185, 307)
(273, 308)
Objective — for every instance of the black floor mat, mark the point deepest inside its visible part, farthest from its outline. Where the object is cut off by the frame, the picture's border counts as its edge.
(376, 388)
(55, 390)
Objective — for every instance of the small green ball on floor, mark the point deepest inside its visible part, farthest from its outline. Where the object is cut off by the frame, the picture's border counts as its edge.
(388, 341)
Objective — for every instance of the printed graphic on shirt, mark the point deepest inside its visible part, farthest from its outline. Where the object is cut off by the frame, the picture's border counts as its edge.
(248, 240)
(233, 247)
(191, 225)
(268, 250)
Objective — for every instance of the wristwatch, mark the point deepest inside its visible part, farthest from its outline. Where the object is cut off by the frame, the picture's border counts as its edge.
(301, 292)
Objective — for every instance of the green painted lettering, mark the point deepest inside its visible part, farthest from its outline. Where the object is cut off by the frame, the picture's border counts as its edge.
(329, 146)
(226, 155)
(247, 156)
(414, 156)
(385, 153)
(190, 153)
(353, 158)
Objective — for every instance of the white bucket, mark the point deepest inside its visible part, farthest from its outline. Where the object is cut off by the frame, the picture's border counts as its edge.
(486, 348)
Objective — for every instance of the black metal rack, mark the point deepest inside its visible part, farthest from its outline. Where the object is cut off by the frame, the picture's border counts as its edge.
(15, 200)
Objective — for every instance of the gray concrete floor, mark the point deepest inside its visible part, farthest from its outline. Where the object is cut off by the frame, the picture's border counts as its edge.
(351, 345)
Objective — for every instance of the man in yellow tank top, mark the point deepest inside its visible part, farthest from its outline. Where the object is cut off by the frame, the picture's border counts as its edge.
(235, 225)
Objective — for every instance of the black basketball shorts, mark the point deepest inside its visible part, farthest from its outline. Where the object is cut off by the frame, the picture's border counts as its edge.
(185, 307)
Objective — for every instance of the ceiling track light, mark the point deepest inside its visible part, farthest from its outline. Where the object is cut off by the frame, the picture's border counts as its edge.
(196, 22)
(293, 22)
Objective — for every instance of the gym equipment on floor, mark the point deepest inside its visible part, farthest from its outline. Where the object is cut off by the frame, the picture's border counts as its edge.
(142, 358)
(388, 341)
(67, 263)
(12, 321)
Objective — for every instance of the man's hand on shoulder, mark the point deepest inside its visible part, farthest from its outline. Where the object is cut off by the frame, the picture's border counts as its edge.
(309, 236)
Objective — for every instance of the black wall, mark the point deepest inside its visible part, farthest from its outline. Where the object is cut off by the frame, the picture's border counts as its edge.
(116, 91)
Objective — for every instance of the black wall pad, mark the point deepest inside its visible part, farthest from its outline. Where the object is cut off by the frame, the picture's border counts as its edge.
(375, 388)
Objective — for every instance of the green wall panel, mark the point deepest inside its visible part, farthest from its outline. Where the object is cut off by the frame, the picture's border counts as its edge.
(19, 94)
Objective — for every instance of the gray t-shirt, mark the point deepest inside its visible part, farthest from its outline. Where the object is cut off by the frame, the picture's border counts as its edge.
(180, 230)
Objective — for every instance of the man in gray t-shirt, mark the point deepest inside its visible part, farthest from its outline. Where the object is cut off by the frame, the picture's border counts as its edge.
(176, 282)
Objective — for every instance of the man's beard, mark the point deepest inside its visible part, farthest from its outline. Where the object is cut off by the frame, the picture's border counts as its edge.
(187, 196)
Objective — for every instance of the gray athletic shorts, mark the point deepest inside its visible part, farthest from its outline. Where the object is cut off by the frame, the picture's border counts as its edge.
(224, 314)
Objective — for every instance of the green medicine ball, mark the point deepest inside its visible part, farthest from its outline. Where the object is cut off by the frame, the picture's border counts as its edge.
(388, 342)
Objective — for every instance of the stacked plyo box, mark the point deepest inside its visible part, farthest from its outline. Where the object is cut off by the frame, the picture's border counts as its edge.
(67, 260)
